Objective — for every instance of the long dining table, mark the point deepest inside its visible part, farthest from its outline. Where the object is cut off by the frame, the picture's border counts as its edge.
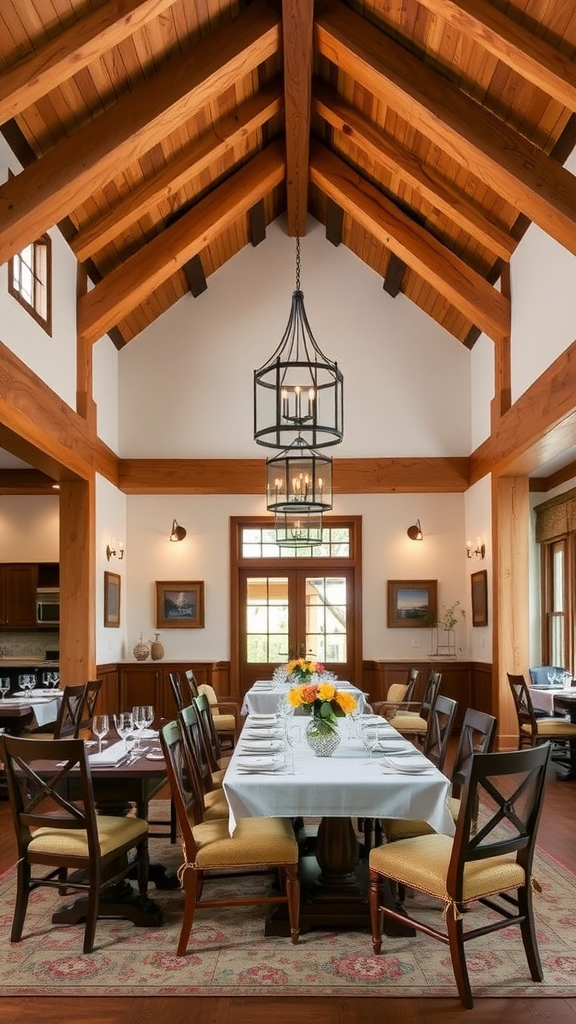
(263, 696)
(399, 782)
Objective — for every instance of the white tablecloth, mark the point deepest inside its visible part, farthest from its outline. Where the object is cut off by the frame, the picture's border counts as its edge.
(339, 786)
(45, 708)
(543, 699)
(262, 698)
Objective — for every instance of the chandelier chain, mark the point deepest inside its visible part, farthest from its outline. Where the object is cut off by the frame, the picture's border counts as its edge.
(297, 263)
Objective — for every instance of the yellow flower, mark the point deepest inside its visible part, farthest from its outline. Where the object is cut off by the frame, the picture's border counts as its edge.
(326, 691)
(294, 697)
(345, 701)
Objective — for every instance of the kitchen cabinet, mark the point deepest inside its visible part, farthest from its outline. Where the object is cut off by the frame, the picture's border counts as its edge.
(18, 583)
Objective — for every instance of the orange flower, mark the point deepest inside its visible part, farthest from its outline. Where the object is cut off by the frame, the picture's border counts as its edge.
(346, 701)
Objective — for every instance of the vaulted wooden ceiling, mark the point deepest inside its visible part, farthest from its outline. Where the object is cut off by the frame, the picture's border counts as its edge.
(165, 135)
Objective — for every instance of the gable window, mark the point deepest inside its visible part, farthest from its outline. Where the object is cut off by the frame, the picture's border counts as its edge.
(30, 280)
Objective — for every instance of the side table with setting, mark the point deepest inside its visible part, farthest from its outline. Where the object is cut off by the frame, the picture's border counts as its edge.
(398, 782)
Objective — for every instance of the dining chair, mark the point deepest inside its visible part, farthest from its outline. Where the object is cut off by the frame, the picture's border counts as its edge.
(540, 676)
(192, 684)
(399, 695)
(413, 721)
(91, 694)
(225, 714)
(212, 751)
(490, 864)
(212, 798)
(533, 731)
(52, 831)
(208, 847)
(477, 736)
(175, 686)
(70, 717)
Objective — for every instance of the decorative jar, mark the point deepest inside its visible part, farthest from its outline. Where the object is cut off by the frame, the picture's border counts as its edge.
(156, 648)
(141, 650)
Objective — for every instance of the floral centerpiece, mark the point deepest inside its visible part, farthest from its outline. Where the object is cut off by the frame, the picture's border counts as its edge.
(324, 702)
(302, 669)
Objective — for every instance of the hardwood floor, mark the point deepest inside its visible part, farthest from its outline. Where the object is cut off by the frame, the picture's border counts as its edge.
(557, 837)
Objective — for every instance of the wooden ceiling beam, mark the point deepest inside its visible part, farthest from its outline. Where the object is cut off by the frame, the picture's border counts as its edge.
(533, 58)
(54, 185)
(212, 146)
(353, 127)
(446, 273)
(71, 50)
(26, 481)
(246, 476)
(297, 21)
(119, 293)
(528, 179)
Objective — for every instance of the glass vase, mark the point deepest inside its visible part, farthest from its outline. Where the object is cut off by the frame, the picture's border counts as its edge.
(323, 736)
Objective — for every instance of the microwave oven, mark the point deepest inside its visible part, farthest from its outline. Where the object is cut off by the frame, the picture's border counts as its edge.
(47, 606)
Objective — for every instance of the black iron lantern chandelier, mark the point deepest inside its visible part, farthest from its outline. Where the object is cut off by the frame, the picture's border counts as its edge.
(298, 408)
(298, 392)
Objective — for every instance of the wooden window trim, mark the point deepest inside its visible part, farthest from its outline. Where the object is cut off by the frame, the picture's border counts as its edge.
(45, 244)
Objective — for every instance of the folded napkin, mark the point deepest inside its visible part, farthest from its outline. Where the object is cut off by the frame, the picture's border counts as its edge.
(262, 686)
(110, 757)
(258, 764)
(407, 767)
(261, 723)
(258, 746)
(148, 734)
(31, 698)
(260, 716)
(263, 732)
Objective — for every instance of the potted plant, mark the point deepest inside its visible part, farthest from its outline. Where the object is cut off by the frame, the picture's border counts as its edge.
(444, 625)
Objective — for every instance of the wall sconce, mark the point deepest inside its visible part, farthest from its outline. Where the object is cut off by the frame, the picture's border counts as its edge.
(116, 548)
(178, 532)
(478, 552)
(415, 532)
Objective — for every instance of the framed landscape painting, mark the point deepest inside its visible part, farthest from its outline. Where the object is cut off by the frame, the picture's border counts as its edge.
(479, 584)
(179, 604)
(111, 599)
(412, 603)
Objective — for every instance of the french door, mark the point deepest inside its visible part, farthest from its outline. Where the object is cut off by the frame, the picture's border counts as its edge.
(292, 613)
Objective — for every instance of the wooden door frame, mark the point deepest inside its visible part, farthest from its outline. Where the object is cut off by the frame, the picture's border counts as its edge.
(354, 562)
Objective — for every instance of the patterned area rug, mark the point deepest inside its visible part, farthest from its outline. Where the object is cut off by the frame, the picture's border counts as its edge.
(228, 954)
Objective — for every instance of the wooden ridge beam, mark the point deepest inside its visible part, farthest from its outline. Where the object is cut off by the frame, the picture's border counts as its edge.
(533, 58)
(446, 273)
(247, 476)
(521, 173)
(54, 185)
(62, 57)
(297, 21)
(212, 146)
(121, 291)
(350, 126)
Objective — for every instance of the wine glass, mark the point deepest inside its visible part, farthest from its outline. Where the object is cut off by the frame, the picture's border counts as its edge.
(293, 737)
(139, 720)
(4, 687)
(100, 727)
(370, 739)
(124, 724)
(27, 682)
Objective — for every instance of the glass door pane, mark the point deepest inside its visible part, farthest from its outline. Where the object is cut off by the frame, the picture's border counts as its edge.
(267, 618)
(326, 618)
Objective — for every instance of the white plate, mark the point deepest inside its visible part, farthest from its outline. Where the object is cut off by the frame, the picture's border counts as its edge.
(155, 755)
(148, 734)
(261, 746)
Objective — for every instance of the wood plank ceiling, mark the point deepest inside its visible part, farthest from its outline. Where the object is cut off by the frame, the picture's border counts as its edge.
(165, 135)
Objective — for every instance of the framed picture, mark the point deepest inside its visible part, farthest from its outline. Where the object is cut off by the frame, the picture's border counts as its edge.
(412, 603)
(179, 604)
(112, 598)
(479, 584)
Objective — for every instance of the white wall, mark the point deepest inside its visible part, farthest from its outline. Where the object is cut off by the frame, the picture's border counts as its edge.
(105, 391)
(53, 359)
(203, 555)
(29, 528)
(187, 381)
(543, 310)
(111, 524)
(478, 511)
